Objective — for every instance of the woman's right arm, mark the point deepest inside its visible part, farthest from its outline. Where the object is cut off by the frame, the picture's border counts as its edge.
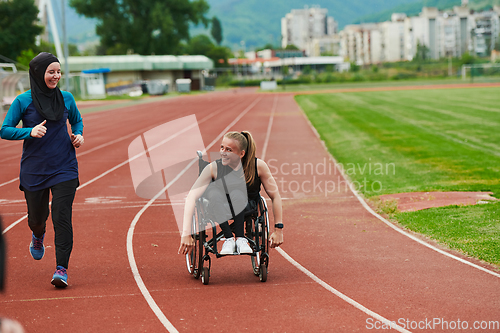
(9, 131)
(196, 192)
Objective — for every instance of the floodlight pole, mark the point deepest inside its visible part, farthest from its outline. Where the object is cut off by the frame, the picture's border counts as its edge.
(45, 8)
(66, 52)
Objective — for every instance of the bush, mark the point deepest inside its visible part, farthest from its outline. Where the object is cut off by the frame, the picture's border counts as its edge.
(245, 83)
(376, 77)
(467, 59)
(354, 68)
(403, 76)
(358, 77)
(223, 80)
(307, 70)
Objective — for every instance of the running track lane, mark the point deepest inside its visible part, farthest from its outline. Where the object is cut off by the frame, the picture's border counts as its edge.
(339, 242)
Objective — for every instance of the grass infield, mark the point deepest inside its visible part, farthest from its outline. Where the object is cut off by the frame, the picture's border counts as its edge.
(384, 83)
(421, 140)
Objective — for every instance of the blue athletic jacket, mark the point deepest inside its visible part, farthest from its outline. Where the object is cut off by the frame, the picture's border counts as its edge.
(48, 160)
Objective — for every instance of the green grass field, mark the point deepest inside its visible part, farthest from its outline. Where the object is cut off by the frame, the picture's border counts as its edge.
(421, 140)
(385, 83)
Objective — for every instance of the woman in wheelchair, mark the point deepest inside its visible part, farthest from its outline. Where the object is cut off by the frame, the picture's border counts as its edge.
(237, 160)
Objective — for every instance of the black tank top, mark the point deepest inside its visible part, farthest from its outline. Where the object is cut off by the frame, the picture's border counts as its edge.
(253, 189)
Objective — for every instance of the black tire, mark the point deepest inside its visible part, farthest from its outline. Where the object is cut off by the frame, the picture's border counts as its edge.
(260, 235)
(205, 275)
(195, 258)
(263, 273)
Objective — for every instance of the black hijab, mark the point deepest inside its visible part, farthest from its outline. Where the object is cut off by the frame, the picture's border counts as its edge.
(48, 102)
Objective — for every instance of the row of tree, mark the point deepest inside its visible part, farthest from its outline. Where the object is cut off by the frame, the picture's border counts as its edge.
(124, 26)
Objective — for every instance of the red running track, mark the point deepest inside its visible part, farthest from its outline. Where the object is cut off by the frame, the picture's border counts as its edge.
(345, 248)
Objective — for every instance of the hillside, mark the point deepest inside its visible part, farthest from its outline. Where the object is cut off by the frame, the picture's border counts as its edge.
(256, 22)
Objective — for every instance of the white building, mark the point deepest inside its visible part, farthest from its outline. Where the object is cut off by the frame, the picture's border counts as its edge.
(362, 43)
(327, 45)
(485, 30)
(392, 35)
(301, 26)
(443, 33)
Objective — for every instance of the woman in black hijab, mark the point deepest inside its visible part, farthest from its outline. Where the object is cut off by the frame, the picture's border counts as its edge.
(48, 163)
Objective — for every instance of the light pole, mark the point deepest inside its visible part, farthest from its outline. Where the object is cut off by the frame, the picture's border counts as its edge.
(65, 40)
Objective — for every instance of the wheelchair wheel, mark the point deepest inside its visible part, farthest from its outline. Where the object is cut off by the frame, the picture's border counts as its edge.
(205, 275)
(194, 259)
(263, 273)
(261, 238)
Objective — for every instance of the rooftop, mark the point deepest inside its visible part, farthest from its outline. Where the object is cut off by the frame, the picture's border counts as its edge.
(137, 62)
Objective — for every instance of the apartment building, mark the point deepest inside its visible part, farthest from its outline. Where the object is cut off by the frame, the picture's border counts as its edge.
(392, 35)
(448, 33)
(304, 27)
(371, 43)
(485, 31)
(443, 33)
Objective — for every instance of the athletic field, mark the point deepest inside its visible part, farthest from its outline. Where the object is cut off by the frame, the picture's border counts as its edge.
(420, 141)
(342, 267)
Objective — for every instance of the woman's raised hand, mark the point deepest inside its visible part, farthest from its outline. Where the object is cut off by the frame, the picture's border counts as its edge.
(39, 130)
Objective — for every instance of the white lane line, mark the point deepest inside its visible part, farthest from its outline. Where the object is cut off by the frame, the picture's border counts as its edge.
(108, 171)
(349, 300)
(130, 235)
(133, 265)
(14, 224)
(371, 211)
(8, 182)
(269, 126)
(314, 277)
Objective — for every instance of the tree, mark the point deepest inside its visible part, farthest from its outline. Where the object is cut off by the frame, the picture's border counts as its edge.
(422, 53)
(291, 47)
(143, 27)
(200, 44)
(497, 43)
(354, 67)
(268, 46)
(25, 57)
(18, 29)
(216, 30)
(219, 55)
(467, 59)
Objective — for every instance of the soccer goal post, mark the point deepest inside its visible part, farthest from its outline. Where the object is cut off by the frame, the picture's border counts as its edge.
(475, 70)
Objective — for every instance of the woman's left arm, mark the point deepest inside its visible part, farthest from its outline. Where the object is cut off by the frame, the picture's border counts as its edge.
(271, 188)
(75, 119)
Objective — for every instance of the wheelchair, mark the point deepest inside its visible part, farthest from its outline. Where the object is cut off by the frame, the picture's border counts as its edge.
(206, 237)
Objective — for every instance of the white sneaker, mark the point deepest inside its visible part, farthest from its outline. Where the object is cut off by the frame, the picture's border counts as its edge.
(242, 246)
(228, 247)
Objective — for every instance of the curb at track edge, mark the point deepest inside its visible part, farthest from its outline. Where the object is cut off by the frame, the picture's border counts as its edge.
(381, 218)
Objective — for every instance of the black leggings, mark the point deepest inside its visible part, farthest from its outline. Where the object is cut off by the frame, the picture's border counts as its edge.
(219, 210)
(63, 195)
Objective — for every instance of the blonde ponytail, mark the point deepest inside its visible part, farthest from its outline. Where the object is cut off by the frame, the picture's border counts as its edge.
(246, 143)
